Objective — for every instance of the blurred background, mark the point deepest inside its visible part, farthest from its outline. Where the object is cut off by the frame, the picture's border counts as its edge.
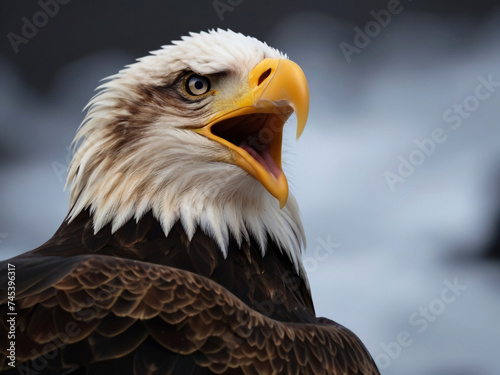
(397, 173)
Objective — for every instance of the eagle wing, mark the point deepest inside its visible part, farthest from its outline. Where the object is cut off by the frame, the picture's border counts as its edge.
(158, 320)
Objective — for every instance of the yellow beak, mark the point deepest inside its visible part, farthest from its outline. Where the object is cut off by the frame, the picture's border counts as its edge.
(252, 126)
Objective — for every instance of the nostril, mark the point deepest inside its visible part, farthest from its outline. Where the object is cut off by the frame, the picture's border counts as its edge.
(263, 76)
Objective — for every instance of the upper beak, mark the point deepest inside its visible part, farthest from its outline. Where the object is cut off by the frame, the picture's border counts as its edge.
(252, 126)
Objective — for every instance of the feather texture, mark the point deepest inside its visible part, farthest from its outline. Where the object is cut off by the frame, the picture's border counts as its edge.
(79, 308)
(172, 259)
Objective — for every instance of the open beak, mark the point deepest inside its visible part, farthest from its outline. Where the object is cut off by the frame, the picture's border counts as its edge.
(252, 127)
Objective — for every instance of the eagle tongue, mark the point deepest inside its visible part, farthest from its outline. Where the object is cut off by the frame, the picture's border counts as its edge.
(264, 158)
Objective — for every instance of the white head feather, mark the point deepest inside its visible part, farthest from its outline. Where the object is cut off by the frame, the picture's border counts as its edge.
(136, 152)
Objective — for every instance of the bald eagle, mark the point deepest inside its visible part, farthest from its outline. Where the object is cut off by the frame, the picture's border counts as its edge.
(180, 253)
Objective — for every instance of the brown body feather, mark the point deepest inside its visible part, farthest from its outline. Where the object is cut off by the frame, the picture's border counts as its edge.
(140, 302)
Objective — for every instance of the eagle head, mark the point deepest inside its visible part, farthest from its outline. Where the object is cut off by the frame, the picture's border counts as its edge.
(193, 132)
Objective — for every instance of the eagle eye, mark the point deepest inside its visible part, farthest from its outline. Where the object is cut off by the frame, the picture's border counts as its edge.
(197, 85)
